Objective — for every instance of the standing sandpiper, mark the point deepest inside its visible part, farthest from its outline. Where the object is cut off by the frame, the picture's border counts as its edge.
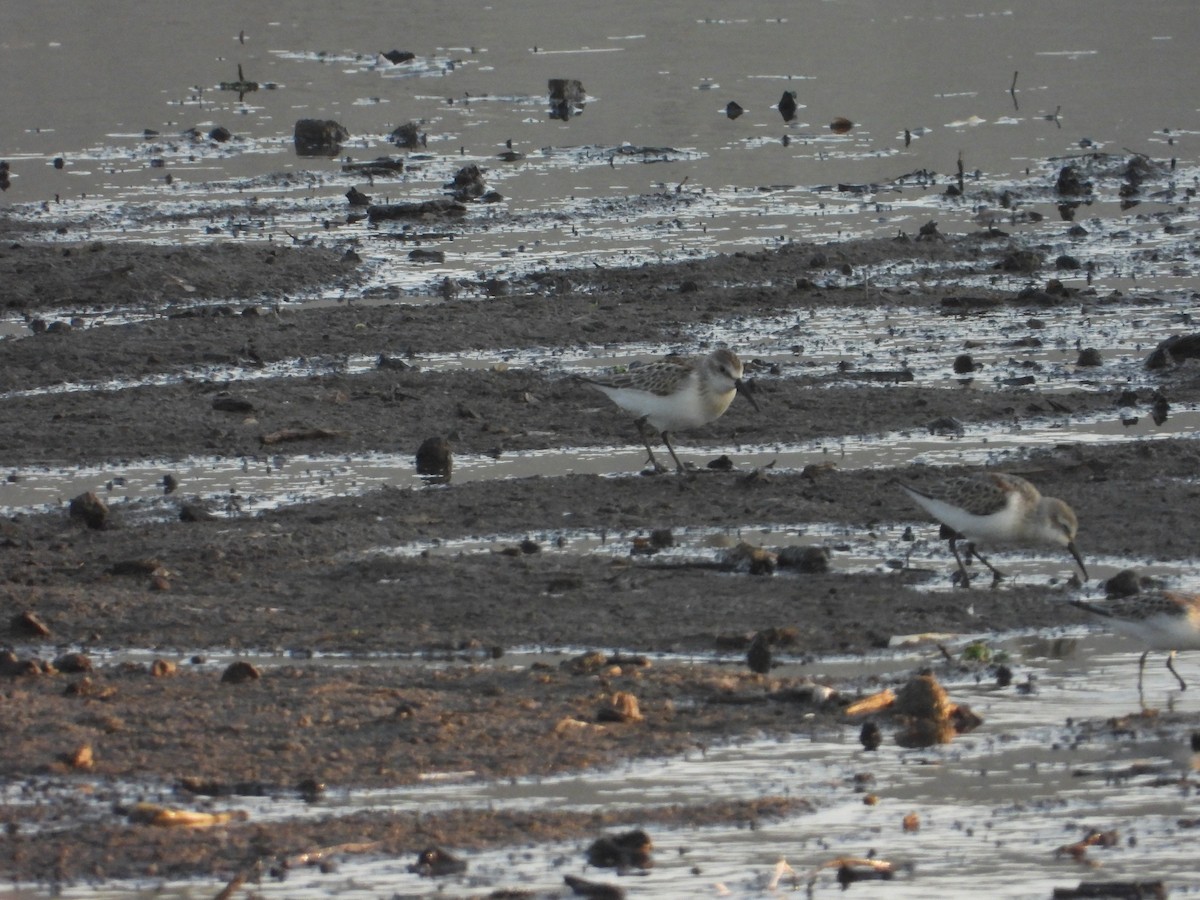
(674, 393)
(1160, 620)
(994, 508)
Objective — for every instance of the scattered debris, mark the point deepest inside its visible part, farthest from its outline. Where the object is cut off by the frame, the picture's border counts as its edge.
(168, 817)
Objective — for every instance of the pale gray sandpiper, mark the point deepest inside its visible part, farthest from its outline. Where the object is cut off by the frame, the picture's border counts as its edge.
(676, 393)
(1160, 620)
(997, 509)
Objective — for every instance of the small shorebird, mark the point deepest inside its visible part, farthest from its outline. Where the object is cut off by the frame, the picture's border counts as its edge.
(674, 393)
(995, 508)
(1161, 620)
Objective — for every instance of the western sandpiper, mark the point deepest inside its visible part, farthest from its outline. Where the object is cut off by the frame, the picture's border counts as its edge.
(1161, 620)
(997, 509)
(674, 393)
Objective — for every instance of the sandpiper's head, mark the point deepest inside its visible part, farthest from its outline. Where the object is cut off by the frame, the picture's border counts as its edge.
(1061, 526)
(726, 371)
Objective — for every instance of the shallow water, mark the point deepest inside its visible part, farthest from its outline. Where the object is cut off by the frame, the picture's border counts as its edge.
(993, 806)
(1089, 76)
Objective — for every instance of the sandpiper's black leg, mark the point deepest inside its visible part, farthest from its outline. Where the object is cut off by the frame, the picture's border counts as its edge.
(678, 465)
(1171, 666)
(962, 569)
(641, 427)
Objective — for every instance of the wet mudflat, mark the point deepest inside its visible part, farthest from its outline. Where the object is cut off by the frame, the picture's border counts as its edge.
(318, 586)
(286, 631)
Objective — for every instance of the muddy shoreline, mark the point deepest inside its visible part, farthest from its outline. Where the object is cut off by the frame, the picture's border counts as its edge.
(312, 579)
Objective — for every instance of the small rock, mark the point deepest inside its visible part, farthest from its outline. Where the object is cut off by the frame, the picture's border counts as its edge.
(408, 136)
(195, 512)
(733, 109)
(396, 57)
(593, 890)
(27, 624)
(228, 403)
(82, 758)
(239, 672)
(1089, 356)
(758, 656)
(73, 663)
(566, 97)
(621, 851)
(787, 105)
(435, 460)
(434, 862)
(163, 668)
(870, 736)
(318, 137)
(89, 507)
(622, 708)
(811, 560)
(964, 364)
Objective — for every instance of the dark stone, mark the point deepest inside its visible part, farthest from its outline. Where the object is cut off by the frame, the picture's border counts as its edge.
(593, 890)
(1174, 349)
(195, 512)
(408, 136)
(468, 184)
(758, 656)
(396, 57)
(439, 207)
(788, 106)
(566, 98)
(434, 862)
(1068, 183)
(870, 736)
(964, 364)
(435, 460)
(1089, 356)
(89, 507)
(220, 134)
(228, 403)
(240, 672)
(945, 425)
(733, 110)
(1021, 261)
(170, 483)
(621, 851)
(357, 198)
(319, 137)
(1067, 263)
(810, 560)
(423, 255)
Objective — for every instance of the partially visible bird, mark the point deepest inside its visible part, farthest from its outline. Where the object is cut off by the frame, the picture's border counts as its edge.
(997, 509)
(1160, 620)
(676, 393)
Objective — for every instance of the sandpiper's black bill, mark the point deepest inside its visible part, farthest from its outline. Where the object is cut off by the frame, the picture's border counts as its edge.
(1079, 559)
(746, 389)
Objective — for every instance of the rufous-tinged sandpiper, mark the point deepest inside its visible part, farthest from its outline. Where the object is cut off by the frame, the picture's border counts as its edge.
(676, 393)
